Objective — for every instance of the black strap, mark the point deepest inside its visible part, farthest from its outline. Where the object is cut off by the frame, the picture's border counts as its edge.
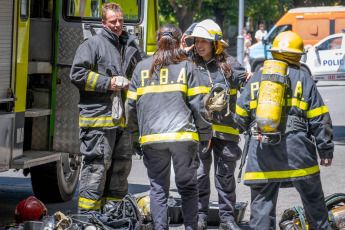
(275, 78)
(294, 123)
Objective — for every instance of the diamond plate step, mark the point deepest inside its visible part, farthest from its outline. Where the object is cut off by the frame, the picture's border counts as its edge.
(35, 157)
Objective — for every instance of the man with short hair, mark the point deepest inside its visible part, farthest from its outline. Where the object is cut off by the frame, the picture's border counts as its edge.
(261, 33)
(100, 71)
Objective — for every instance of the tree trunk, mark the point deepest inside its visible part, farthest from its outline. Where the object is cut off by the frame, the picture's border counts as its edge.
(219, 17)
(184, 15)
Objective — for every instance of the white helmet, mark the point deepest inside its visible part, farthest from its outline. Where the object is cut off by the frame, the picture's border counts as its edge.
(210, 30)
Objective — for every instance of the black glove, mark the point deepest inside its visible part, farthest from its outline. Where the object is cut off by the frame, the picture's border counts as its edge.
(205, 145)
(137, 149)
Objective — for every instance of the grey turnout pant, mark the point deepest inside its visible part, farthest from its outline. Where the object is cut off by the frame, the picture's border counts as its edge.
(157, 159)
(226, 153)
(264, 201)
(107, 163)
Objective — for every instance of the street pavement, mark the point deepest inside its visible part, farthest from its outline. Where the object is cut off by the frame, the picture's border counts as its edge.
(14, 187)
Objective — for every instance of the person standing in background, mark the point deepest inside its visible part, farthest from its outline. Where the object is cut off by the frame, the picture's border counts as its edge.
(247, 42)
(261, 33)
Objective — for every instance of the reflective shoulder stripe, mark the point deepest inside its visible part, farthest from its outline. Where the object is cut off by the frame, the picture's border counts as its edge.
(169, 136)
(91, 81)
(198, 90)
(101, 122)
(253, 104)
(233, 91)
(241, 112)
(225, 129)
(132, 95)
(89, 204)
(295, 102)
(317, 112)
(281, 174)
(162, 89)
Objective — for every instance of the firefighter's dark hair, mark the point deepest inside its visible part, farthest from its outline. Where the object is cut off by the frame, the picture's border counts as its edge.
(110, 6)
(221, 59)
(168, 39)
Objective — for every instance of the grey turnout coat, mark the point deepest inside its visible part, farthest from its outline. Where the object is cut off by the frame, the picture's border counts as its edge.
(97, 59)
(167, 107)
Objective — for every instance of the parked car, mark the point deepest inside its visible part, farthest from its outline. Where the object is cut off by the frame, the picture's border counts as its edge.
(326, 59)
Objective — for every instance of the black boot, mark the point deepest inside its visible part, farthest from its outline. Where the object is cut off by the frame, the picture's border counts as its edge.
(202, 223)
(229, 225)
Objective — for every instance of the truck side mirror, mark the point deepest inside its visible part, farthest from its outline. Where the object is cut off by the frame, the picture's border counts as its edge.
(316, 48)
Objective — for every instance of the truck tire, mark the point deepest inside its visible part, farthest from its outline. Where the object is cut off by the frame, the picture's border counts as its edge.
(56, 181)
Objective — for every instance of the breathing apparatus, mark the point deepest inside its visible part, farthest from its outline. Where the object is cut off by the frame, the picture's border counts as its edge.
(287, 49)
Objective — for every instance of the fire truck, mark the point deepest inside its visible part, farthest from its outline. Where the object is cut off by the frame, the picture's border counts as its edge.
(39, 130)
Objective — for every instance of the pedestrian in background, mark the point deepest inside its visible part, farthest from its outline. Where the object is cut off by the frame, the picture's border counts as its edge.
(218, 69)
(167, 117)
(261, 33)
(305, 131)
(100, 69)
(247, 41)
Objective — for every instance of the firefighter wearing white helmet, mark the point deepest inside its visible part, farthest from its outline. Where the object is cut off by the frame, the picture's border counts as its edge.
(293, 157)
(222, 74)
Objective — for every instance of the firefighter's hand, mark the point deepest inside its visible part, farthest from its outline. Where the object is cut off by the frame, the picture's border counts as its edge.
(205, 145)
(249, 75)
(113, 86)
(326, 162)
(137, 149)
(183, 44)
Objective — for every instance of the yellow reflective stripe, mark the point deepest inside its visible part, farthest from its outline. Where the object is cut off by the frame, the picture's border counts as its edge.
(289, 102)
(162, 89)
(225, 129)
(233, 91)
(94, 82)
(215, 32)
(253, 104)
(91, 81)
(241, 112)
(281, 174)
(101, 122)
(131, 95)
(298, 103)
(89, 204)
(170, 136)
(317, 111)
(198, 90)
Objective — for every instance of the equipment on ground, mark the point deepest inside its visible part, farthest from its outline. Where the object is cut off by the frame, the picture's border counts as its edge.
(274, 80)
(30, 209)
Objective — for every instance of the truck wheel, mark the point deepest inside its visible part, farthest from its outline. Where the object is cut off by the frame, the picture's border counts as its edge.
(56, 181)
(259, 67)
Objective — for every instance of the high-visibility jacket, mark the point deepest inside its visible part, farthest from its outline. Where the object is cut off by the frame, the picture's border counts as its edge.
(167, 107)
(295, 157)
(227, 128)
(97, 59)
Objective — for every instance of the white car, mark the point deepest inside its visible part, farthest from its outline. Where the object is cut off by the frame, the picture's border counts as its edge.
(326, 59)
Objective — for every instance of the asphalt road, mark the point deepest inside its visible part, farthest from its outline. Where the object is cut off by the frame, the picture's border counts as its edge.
(14, 187)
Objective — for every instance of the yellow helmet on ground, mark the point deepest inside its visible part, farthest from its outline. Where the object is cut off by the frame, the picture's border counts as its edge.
(288, 42)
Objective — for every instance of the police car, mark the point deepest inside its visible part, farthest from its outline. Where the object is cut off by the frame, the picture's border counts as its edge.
(326, 59)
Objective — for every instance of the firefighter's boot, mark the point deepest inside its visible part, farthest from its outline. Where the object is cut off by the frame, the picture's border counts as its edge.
(229, 225)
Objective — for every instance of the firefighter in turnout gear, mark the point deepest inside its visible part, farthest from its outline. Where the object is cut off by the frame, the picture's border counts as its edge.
(219, 71)
(100, 69)
(305, 129)
(167, 117)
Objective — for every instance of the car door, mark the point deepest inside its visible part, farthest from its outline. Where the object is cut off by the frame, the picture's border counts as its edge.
(329, 57)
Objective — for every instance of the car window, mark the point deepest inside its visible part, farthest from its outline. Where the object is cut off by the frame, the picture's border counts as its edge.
(277, 31)
(331, 44)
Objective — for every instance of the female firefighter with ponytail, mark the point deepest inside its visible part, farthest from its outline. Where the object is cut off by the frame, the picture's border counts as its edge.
(222, 74)
(167, 120)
